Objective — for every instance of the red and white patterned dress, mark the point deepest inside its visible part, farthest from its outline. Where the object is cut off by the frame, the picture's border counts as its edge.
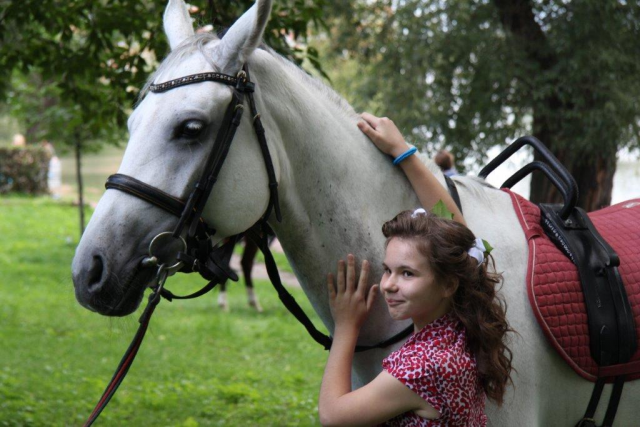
(436, 364)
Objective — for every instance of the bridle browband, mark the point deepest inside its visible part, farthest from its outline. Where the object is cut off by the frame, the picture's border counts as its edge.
(198, 254)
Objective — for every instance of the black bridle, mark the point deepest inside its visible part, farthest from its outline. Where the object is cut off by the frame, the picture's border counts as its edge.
(198, 254)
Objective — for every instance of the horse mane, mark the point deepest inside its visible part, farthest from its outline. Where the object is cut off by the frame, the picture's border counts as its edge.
(476, 186)
(315, 82)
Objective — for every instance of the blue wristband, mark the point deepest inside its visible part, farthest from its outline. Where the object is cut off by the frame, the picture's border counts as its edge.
(404, 155)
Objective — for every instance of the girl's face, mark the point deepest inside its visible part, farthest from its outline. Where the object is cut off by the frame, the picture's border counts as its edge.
(410, 287)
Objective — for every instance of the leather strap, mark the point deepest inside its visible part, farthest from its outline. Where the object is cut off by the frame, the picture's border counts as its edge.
(612, 408)
(614, 401)
(127, 359)
(261, 239)
(143, 191)
(201, 191)
(453, 190)
(194, 78)
(262, 140)
(587, 420)
(130, 355)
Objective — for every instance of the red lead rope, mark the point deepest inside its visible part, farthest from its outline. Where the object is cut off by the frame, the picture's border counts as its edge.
(129, 356)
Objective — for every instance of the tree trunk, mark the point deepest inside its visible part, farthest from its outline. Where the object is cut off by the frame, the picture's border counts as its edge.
(78, 150)
(593, 173)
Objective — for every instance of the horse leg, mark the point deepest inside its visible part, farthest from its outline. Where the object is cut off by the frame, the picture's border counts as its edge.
(248, 259)
(222, 297)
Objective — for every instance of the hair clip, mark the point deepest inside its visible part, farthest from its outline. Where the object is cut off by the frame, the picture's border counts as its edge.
(417, 212)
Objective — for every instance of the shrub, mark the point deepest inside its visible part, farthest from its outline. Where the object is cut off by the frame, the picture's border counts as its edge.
(24, 170)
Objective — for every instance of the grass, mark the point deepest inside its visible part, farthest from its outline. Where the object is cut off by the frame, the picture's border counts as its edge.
(197, 367)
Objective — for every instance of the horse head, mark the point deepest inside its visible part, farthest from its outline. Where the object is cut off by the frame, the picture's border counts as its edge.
(171, 135)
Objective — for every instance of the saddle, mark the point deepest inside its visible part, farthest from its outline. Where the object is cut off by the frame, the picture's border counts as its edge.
(583, 278)
(556, 293)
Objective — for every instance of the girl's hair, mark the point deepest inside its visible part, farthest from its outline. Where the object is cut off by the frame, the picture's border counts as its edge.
(444, 159)
(476, 302)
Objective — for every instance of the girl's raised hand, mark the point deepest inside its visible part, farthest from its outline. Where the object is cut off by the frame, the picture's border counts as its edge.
(349, 300)
(383, 133)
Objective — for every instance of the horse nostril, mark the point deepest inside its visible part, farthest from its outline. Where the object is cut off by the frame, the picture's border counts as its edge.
(95, 274)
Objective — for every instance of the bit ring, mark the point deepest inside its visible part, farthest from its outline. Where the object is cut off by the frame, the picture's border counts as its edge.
(155, 241)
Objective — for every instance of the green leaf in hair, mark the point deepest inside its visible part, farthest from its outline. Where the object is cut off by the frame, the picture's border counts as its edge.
(487, 246)
(441, 211)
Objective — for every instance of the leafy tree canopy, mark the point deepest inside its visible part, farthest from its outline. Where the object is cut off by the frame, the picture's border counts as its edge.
(472, 74)
(72, 69)
(451, 72)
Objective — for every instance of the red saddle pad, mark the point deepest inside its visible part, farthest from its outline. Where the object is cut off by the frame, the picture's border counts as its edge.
(554, 288)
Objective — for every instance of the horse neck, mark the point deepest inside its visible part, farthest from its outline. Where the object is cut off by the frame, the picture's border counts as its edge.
(336, 188)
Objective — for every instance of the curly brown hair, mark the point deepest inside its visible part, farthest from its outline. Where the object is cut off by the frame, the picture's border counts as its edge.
(476, 301)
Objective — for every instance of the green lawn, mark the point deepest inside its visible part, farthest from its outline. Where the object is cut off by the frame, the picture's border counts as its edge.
(197, 366)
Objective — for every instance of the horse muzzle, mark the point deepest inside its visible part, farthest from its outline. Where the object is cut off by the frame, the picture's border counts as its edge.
(98, 288)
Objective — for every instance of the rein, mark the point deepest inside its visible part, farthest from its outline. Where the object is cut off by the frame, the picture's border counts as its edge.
(198, 254)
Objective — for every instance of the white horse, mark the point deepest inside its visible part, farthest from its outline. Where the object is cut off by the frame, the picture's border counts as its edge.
(336, 190)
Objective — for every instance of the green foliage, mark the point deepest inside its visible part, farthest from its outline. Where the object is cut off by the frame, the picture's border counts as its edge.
(289, 18)
(24, 170)
(470, 75)
(47, 114)
(8, 126)
(74, 69)
(487, 247)
(80, 57)
(440, 210)
(198, 366)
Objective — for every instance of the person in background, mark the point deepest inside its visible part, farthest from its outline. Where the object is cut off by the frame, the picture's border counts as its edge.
(54, 175)
(19, 140)
(445, 160)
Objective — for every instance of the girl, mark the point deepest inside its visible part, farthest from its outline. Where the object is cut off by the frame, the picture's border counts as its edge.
(436, 274)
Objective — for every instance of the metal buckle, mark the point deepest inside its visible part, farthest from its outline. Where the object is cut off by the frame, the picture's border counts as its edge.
(243, 84)
(161, 278)
(152, 260)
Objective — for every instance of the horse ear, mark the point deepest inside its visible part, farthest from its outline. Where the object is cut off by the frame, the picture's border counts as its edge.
(177, 23)
(244, 36)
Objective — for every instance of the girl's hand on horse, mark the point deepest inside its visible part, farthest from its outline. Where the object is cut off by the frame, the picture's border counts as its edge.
(349, 300)
(384, 134)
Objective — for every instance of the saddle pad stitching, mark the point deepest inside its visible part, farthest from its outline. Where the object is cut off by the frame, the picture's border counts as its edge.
(521, 216)
(534, 303)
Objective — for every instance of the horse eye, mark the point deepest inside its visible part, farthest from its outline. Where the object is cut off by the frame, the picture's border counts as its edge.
(190, 129)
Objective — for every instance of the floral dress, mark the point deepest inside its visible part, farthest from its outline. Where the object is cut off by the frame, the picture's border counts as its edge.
(436, 364)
